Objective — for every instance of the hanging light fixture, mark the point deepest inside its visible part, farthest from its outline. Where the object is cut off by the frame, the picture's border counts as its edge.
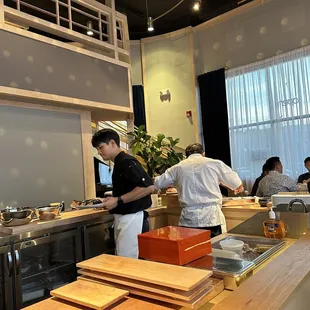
(150, 24)
(151, 20)
(90, 28)
(196, 5)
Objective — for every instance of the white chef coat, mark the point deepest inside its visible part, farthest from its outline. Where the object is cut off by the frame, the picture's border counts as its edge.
(197, 179)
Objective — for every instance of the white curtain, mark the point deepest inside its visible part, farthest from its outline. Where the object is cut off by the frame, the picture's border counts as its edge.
(269, 114)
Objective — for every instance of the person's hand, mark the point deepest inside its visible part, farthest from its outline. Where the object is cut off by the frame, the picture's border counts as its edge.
(110, 203)
(239, 189)
(306, 181)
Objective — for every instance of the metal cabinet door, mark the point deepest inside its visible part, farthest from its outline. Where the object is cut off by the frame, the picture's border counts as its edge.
(6, 278)
(45, 263)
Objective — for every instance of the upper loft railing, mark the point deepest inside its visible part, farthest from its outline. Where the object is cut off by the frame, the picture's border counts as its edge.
(85, 23)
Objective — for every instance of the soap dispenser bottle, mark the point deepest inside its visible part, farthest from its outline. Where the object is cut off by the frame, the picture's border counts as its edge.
(274, 228)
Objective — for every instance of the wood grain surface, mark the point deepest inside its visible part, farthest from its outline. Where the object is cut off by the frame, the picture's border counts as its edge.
(55, 304)
(183, 295)
(89, 294)
(177, 277)
(201, 299)
(271, 287)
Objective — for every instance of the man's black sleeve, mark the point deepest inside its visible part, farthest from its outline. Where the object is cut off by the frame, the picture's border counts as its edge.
(135, 173)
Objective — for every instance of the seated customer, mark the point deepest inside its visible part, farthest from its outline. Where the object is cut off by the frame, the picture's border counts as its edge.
(305, 178)
(275, 181)
(256, 183)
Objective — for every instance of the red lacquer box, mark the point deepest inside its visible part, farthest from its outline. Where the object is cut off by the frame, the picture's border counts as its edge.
(174, 245)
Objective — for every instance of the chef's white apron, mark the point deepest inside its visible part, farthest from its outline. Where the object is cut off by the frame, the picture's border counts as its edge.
(223, 222)
(126, 230)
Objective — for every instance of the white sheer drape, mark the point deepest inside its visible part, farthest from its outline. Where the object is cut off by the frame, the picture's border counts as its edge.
(269, 114)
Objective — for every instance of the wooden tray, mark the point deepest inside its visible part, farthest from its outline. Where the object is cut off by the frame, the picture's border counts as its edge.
(200, 300)
(109, 279)
(92, 295)
(177, 277)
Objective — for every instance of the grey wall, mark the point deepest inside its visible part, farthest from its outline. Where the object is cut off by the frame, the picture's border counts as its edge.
(136, 64)
(275, 27)
(32, 65)
(40, 157)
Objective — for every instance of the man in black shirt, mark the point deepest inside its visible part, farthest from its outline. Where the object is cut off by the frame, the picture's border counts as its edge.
(305, 178)
(132, 188)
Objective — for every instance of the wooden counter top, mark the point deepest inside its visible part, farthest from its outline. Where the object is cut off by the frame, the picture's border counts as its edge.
(253, 207)
(275, 284)
(130, 303)
(172, 202)
(66, 218)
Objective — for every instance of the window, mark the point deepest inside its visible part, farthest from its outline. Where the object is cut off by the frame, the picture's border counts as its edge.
(269, 114)
(105, 173)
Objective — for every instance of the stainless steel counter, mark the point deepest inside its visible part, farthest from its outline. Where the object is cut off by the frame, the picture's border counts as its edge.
(8, 238)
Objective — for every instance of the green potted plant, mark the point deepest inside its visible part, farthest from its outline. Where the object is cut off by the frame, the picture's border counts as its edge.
(158, 154)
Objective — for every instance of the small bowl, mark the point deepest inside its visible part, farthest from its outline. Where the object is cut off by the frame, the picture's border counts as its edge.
(16, 216)
(47, 213)
(263, 202)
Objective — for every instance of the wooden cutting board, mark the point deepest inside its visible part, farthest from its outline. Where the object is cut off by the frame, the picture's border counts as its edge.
(92, 295)
(177, 277)
(200, 300)
(162, 290)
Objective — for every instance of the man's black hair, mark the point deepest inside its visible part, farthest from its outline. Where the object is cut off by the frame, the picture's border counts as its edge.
(105, 136)
(265, 167)
(272, 162)
(194, 148)
(307, 159)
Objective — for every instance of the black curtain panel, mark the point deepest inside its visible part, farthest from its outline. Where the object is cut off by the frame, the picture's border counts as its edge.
(138, 105)
(215, 115)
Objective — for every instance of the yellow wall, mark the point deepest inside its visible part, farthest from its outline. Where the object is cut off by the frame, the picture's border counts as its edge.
(168, 65)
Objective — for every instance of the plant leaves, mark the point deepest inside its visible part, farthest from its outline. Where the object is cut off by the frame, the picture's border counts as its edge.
(157, 153)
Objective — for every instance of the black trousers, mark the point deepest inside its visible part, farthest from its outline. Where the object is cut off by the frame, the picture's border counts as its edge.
(215, 230)
(146, 222)
(145, 226)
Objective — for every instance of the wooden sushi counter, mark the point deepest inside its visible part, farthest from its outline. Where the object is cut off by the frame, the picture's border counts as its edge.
(235, 213)
(283, 282)
(168, 214)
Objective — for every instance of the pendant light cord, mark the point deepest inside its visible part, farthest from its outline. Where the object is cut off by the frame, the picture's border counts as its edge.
(147, 10)
(162, 15)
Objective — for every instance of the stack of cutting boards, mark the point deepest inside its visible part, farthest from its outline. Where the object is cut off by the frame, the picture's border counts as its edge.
(183, 286)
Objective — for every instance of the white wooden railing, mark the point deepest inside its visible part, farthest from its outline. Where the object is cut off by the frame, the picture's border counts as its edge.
(72, 20)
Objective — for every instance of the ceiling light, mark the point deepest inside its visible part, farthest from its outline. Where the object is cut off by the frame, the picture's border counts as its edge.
(150, 24)
(196, 6)
(90, 28)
